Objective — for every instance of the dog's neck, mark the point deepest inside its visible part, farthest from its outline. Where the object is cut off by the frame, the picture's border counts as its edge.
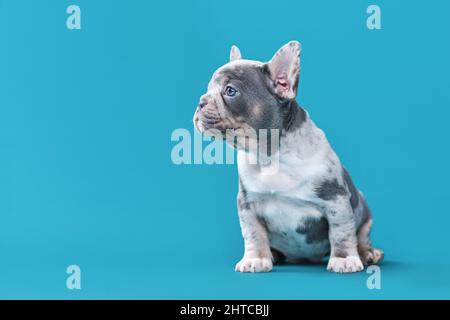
(299, 138)
(293, 116)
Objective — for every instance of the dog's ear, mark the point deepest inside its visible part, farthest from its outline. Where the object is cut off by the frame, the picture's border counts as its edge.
(284, 70)
(235, 54)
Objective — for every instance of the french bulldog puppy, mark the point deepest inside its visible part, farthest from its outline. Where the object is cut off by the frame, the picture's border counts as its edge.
(306, 209)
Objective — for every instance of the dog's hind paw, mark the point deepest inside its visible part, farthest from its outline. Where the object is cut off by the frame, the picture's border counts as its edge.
(372, 256)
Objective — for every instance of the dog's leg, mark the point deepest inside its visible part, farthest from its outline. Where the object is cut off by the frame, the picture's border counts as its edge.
(344, 255)
(368, 254)
(257, 254)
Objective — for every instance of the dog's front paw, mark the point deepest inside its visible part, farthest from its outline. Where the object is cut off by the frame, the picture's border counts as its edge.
(254, 265)
(345, 265)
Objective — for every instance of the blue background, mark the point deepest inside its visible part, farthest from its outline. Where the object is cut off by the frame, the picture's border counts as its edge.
(86, 118)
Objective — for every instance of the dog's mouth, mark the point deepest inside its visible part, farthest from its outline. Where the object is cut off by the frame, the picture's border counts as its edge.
(210, 123)
(204, 121)
(232, 130)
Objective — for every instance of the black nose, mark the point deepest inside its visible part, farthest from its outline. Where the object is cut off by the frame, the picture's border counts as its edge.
(202, 103)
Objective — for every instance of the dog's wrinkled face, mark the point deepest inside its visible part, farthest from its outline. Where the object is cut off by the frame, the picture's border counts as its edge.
(245, 94)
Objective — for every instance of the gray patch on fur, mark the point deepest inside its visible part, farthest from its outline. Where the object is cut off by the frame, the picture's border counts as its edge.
(330, 190)
(367, 213)
(294, 117)
(256, 102)
(315, 230)
(340, 253)
(354, 194)
(243, 204)
(263, 223)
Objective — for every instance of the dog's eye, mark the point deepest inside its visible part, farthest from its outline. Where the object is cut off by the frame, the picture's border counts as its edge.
(230, 91)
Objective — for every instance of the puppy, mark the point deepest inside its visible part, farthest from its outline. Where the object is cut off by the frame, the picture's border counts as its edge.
(306, 209)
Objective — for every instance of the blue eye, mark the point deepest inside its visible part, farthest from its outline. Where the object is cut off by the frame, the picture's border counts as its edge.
(230, 91)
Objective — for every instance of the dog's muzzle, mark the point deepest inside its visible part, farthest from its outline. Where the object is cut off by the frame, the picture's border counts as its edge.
(206, 116)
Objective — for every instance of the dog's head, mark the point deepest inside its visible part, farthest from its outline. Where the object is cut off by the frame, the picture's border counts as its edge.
(246, 94)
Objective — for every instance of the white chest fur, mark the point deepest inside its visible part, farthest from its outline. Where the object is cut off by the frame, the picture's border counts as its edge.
(283, 190)
(303, 156)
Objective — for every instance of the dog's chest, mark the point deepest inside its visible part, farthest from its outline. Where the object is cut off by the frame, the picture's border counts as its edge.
(284, 198)
(288, 178)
